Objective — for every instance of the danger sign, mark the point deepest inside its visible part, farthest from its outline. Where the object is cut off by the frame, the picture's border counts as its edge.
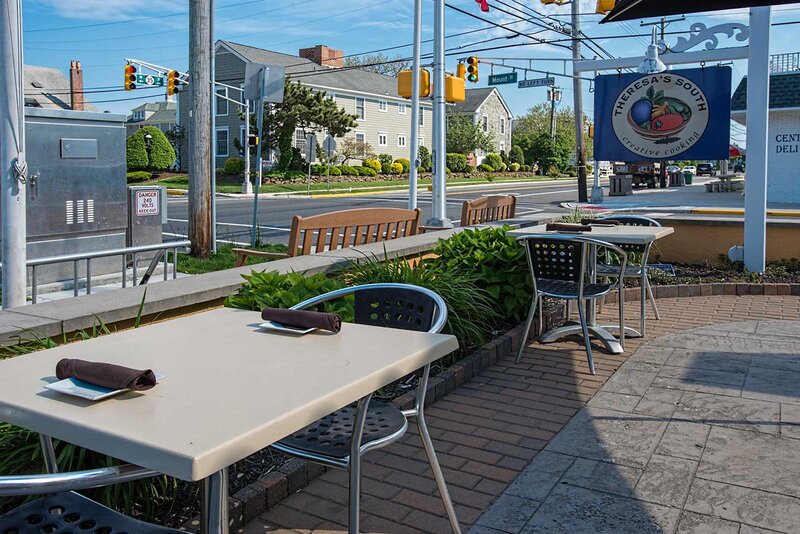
(147, 203)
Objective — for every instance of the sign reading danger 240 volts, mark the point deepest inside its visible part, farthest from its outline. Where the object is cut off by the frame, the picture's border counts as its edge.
(671, 115)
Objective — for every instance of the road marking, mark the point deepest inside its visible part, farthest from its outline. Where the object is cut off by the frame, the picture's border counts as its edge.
(238, 225)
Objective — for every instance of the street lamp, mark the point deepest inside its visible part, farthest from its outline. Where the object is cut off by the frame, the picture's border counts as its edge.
(148, 139)
(651, 63)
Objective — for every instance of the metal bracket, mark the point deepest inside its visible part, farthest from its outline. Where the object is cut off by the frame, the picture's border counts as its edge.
(700, 33)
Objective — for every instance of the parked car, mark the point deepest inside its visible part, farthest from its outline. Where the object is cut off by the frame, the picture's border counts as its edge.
(739, 167)
(706, 169)
(690, 168)
(672, 168)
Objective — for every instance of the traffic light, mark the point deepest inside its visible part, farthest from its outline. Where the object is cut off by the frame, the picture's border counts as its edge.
(252, 140)
(173, 82)
(405, 83)
(454, 90)
(461, 71)
(605, 6)
(591, 131)
(130, 77)
(472, 69)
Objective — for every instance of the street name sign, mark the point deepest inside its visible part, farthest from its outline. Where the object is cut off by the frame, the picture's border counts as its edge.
(149, 80)
(538, 82)
(500, 79)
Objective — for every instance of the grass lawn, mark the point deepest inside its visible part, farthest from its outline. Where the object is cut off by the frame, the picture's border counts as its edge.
(182, 182)
(223, 259)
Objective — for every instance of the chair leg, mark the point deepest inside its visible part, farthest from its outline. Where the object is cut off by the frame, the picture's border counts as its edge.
(621, 300)
(437, 473)
(652, 299)
(642, 303)
(526, 333)
(354, 500)
(586, 340)
(540, 319)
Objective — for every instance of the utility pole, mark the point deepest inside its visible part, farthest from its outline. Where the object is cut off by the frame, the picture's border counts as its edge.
(415, 64)
(200, 128)
(213, 66)
(12, 156)
(577, 89)
(554, 96)
(439, 217)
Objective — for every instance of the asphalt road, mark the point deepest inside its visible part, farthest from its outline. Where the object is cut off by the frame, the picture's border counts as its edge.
(235, 215)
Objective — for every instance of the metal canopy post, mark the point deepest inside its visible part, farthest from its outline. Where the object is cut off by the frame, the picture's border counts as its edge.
(755, 201)
(415, 111)
(12, 156)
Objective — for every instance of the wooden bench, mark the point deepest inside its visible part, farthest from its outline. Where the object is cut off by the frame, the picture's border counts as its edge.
(341, 229)
(488, 209)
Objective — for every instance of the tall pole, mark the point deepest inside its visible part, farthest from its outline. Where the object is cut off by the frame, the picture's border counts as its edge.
(414, 158)
(755, 201)
(213, 126)
(552, 95)
(259, 165)
(246, 186)
(577, 89)
(439, 216)
(200, 128)
(12, 155)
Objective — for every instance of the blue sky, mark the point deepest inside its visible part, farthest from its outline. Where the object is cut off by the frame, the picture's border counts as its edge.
(101, 33)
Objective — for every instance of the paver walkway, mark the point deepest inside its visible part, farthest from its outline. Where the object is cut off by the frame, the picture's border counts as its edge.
(488, 431)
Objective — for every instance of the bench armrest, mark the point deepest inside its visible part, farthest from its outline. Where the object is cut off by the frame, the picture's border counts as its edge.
(243, 253)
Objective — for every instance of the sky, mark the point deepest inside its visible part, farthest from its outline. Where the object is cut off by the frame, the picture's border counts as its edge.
(102, 33)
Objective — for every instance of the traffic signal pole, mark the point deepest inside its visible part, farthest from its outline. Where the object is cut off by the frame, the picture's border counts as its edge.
(577, 89)
(439, 182)
(415, 64)
(12, 156)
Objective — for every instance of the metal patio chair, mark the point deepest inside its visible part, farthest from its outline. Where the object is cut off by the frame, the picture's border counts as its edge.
(61, 510)
(606, 270)
(558, 266)
(340, 439)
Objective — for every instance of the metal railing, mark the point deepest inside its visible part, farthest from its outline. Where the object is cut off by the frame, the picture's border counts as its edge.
(784, 62)
(133, 252)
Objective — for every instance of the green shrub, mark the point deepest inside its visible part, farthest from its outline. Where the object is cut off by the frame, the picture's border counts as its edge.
(525, 168)
(335, 171)
(374, 164)
(457, 162)
(515, 167)
(139, 176)
(553, 172)
(160, 156)
(494, 161)
(516, 155)
(366, 171)
(234, 166)
(385, 159)
(425, 160)
(498, 264)
(395, 168)
(318, 169)
(405, 163)
(502, 168)
(447, 170)
(469, 170)
(347, 170)
(485, 167)
(275, 290)
(386, 168)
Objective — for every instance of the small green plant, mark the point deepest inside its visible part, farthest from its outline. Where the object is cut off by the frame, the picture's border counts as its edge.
(234, 166)
(385, 159)
(139, 176)
(485, 167)
(577, 215)
(424, 158)
(515, 167)
(276, 290)
(553, 172)
(335, 171)
(366, 171)
(457, 162)
(347, 170)
(405, 163)
(395, 168)
(374, 164)
(494, 161)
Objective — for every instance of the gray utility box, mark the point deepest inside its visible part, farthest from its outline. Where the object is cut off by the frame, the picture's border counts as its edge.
(620, 185)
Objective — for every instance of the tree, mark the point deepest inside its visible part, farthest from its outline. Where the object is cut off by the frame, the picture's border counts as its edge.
(306, 109)
(159, 156)
(352, 149)
(465, 136)
(176, 136)
(549, 152)
(537, 120)
(516, 155)
(379, 63)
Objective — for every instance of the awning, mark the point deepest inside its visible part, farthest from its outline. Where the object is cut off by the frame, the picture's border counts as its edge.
(641, 9)
(736, 151)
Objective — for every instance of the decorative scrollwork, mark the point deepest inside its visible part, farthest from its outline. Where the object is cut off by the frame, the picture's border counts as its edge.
(700, 33)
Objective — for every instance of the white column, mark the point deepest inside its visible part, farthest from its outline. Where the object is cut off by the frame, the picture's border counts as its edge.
(247, 186)
(414, 157)
(755, 202)
(12, 155)
(439, 216)
(213, 129)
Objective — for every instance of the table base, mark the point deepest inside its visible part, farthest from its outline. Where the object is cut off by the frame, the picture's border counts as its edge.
(600, 332)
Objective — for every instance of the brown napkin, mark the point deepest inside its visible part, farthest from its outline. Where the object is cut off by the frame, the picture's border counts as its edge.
(106, 375)
(303, 319)
(568, 227)
(600, 222)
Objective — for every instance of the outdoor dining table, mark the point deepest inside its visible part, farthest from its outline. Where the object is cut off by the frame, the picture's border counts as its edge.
(617, 235)
(229, 390)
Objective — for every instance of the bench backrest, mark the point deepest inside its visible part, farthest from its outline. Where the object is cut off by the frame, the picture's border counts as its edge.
(488, 209)
(343, 229)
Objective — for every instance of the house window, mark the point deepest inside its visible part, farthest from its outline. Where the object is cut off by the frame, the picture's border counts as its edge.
(401, 141)
(401, 109)
(360, 109)
(421, 117)
(502, 125)
(485, 123)
(361, 138)
(383, 106)
(222, 142)
(383, 139)
(502, 147)
(222, 104)
(421, 141)
(300, 140)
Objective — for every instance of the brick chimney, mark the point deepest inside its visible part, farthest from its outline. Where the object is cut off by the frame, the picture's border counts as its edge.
(76, 85)
(322, 55)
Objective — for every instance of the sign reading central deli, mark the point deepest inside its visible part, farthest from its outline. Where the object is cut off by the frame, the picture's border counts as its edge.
(671, 115)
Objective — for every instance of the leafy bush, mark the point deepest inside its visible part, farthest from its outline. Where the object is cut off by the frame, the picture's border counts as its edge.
(395, 168)
(494, 161)
(425, 160)
(515, 167)
(386, 168)
(234, 166)
(366, 171)
(160, 156)
(275, 290)
(504, 158)
(516, 155)
(335, 171)
(457, 162)
(374, 164)
(485, 167)
(347, 170)
(553, 172)
(385, 159)
(525, 168)
(139, 176)
(318, 169)
(503, 167)
(405, 163)
(498, 264)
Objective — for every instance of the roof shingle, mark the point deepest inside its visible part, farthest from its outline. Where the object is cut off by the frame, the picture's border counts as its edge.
(784, 92)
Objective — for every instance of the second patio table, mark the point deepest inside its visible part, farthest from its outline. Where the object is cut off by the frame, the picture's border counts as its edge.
(229, 390)
(618, 235)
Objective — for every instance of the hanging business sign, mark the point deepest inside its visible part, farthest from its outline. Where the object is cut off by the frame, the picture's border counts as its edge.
(671, 115)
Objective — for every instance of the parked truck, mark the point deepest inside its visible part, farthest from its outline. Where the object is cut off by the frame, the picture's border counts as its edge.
(643, 172)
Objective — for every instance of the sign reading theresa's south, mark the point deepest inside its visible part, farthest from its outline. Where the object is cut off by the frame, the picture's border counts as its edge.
(671, 115)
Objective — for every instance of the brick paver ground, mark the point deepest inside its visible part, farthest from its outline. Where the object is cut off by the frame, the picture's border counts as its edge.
(488, 430)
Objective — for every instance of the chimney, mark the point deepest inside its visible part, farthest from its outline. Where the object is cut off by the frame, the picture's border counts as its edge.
(322, 55)
(76, 85)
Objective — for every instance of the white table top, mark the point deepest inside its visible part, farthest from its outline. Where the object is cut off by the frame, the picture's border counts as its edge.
(230, 389)
(625, 235)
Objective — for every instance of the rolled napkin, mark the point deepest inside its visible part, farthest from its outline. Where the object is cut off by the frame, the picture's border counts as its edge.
(600, 222)
(568, 227)
(303, 319)
(106, 375)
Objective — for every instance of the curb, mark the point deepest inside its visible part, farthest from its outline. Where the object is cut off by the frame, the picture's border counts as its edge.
(739, 211)
(632, 294)
(254, 499)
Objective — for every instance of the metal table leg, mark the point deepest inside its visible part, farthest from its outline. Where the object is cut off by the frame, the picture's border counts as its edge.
(214, 506)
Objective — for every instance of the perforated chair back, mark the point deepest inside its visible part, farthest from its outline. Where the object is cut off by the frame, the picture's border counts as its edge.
(395, 307)
(633, 220)
(559, 258)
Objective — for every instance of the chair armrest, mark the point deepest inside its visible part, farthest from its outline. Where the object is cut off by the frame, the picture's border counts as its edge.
(422, 229)
(76, 480)
(243, 253)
